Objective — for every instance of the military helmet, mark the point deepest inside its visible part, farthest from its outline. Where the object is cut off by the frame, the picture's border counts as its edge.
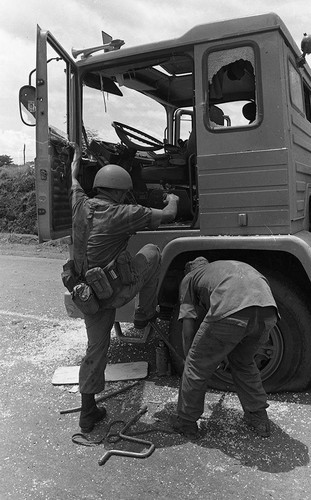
(113, 177)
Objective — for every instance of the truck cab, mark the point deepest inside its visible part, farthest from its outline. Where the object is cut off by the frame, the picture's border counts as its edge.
(221, 117)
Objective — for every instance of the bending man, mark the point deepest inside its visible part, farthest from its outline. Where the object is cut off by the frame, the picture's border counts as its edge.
(238, 313)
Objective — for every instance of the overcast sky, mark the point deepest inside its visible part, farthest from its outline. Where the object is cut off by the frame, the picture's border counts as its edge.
(78, 23)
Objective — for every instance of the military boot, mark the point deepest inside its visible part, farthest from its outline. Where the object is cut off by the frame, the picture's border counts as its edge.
(90, 413)
(258, 421)
(187, 428)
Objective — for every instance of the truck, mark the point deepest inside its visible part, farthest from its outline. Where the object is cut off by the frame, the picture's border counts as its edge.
(220, 116)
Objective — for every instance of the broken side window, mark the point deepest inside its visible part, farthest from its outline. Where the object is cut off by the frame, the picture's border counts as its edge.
(231, 88)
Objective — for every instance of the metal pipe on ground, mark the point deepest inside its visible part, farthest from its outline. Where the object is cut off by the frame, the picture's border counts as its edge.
(122, 435)
(102, 398)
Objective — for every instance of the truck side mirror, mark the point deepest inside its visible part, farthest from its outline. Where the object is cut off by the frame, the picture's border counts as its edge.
(27, 105)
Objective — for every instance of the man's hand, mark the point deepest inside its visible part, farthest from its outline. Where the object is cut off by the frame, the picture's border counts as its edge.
(170, 210)
(170, 197)
(77, 151)
(75, 165)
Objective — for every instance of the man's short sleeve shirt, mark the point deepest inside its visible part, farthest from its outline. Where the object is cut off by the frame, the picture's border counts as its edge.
(111, 225)
(223, 288)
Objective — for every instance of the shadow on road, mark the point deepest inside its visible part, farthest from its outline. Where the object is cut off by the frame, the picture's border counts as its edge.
(278, 453)
(224, 430)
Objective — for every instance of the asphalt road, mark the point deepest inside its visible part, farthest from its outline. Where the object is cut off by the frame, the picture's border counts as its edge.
(38, 458)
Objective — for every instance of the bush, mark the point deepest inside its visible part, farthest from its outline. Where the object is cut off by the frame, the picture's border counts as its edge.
(18, 200)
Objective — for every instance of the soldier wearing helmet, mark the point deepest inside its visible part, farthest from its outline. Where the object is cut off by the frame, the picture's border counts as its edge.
(113, 177)
(102, 227)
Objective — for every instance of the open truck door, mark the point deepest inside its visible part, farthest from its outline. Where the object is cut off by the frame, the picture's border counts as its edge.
(56, 85)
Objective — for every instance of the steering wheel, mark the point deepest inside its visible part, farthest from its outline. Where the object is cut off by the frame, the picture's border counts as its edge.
(127, 133)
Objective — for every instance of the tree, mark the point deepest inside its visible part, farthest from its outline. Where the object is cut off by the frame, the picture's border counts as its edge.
(18, 201)
(5, 160)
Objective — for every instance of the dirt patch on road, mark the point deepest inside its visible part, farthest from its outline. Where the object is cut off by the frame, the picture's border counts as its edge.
(28, 245)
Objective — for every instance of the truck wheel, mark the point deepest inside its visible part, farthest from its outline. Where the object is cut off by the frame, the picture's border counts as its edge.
(284, 362)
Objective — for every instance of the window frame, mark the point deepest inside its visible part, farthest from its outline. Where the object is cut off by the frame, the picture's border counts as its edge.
(301, 110)
(258, 87)
(307, 99)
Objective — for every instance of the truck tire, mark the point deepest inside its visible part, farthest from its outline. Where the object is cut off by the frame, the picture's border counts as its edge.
(284, 362)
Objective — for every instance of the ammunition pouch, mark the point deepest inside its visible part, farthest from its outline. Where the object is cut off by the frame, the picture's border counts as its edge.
(120, 272)
(98, 281)
(125, 269)
(84, 298)
(113, 276)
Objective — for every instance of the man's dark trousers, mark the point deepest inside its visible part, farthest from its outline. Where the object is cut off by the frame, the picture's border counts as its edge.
(238, 337)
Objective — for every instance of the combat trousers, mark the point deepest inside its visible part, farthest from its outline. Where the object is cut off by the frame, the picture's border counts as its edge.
(238, 337)
(146, 264)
